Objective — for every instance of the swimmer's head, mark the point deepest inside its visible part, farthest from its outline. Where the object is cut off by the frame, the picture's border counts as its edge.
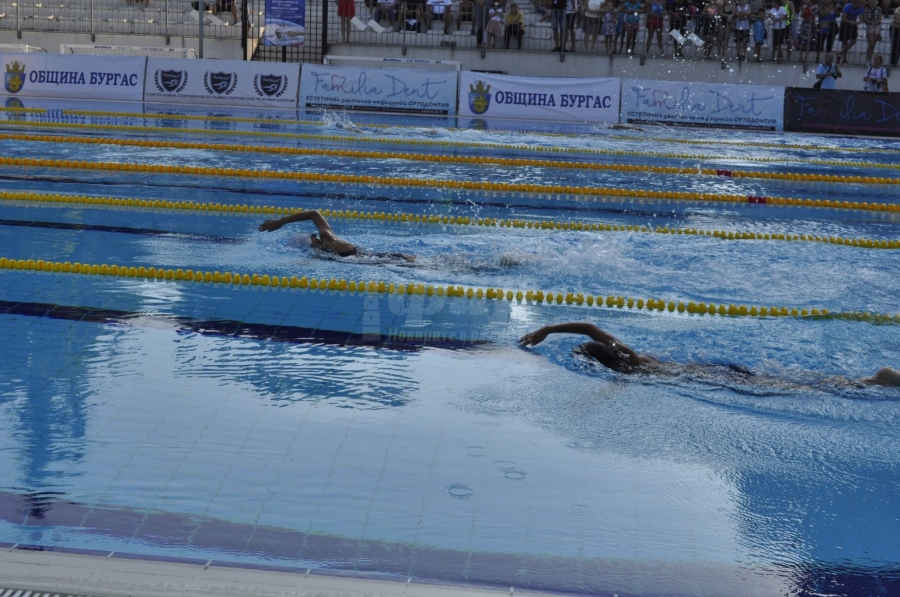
(606, 355)
(315, 242)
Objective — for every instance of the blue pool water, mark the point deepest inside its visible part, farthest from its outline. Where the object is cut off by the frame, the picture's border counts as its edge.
(407, 434)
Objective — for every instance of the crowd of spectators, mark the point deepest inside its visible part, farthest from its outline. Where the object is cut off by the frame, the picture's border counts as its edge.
(770, 30)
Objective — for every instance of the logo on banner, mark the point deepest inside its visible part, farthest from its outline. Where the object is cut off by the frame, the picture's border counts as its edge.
(479, 97)
(220, 83)
(270, 85)
(15, 77)
(171, 81)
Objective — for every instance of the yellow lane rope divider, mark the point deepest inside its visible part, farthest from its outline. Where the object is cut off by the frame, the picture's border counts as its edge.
(382, 217)
(505, 187)
(454, 159)
(580, 136)
(609, 152)
(381, 287)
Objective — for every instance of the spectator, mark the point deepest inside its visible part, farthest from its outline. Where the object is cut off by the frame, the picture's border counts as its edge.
(778, 14)
(494, 24)
(872, 16)
(229, 6)
(828, 73)
(571, 15)
(558, 23)
(742, 29)
(790, 26)
(849, 30)
(438, 10)
(706, 27)
(515, 26)
(632, 10)
(827, 27)
(895, 38)
(479, 21)
(542, 9)
(608, 9)
(346, 10)
(677, 10)
(655, 23)
(876, 78)
(759, 33)
(464, 13)
(807, 27)
(726, 10)
(593, 20)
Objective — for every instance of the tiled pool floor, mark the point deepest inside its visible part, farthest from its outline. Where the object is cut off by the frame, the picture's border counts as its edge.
(28, 573)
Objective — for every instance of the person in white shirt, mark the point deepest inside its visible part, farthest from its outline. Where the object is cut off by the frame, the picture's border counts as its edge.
(876, 78)
(742, 29)
(778, 14)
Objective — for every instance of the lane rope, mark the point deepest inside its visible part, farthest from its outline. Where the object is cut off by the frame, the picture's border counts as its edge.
(444, 220)
(592, 192)
(494, 146)
(212, 118)
(381, 287)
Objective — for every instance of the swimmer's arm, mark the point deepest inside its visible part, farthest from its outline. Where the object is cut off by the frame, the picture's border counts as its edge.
(301, 216)
(575, 327)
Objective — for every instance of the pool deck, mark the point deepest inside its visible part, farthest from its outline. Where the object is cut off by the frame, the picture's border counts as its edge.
(29, 573)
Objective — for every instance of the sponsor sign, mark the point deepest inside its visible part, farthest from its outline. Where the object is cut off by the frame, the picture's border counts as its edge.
(285, 23)
(377, 89)
(539, 98)
(72, 76)
(844, 112)
(750, 107)
(222, 82)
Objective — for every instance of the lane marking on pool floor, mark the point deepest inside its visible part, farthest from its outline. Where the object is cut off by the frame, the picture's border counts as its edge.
(481, 160)
(238, 280)
(320, 123)
(588, 192)
(181, 207)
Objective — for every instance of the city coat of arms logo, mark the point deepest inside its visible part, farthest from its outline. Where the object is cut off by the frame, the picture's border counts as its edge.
(220, 83)
(479, 97)
(15, 77)
(270, 85)
(171, 81)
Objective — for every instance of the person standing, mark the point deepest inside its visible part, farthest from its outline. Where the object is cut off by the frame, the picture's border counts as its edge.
(742, 29)
(494, 24)
(872, 16)
(479, 16)
(655, 23)
(632, 10)
(849, 30)
(778, 14)
(876, 78)
(827, 27)
(759, 33)
(895, 38)
(558, 22)
(346, 10)
(593, 21)
(828, 73)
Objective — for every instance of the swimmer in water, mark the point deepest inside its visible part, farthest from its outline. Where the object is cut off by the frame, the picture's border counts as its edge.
(612, 353)
(327, 240)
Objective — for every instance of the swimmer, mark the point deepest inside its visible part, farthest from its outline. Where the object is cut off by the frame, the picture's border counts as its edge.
(612, 353)
(327, 241)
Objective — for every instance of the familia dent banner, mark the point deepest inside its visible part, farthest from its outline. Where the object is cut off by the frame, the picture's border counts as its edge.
(115, 78)
(539, 98)
(842, 112)
(378, 89)
(703, 105)
(222, 82)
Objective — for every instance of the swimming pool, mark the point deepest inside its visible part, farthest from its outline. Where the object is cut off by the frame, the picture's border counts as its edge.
(406, 434)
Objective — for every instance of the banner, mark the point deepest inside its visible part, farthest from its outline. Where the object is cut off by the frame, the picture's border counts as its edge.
(222, 82)
(846, 112)
(377, 89)
(285, 23)
(539, 98)
(750, 107)
(73, 76)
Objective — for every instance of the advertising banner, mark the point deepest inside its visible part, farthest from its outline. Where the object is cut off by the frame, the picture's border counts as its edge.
(751, 107)
(377, 89)
(844, 112)
(539, 98)
(222, 82)
(74, 76)
(285, 23)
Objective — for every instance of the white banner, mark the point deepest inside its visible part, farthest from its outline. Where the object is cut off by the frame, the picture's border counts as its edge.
(703, 104)
(222, 82)
(378, 89)
(539, 98)
(71, 76)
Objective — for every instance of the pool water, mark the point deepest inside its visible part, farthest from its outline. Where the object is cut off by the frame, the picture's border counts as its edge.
(407, 434)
